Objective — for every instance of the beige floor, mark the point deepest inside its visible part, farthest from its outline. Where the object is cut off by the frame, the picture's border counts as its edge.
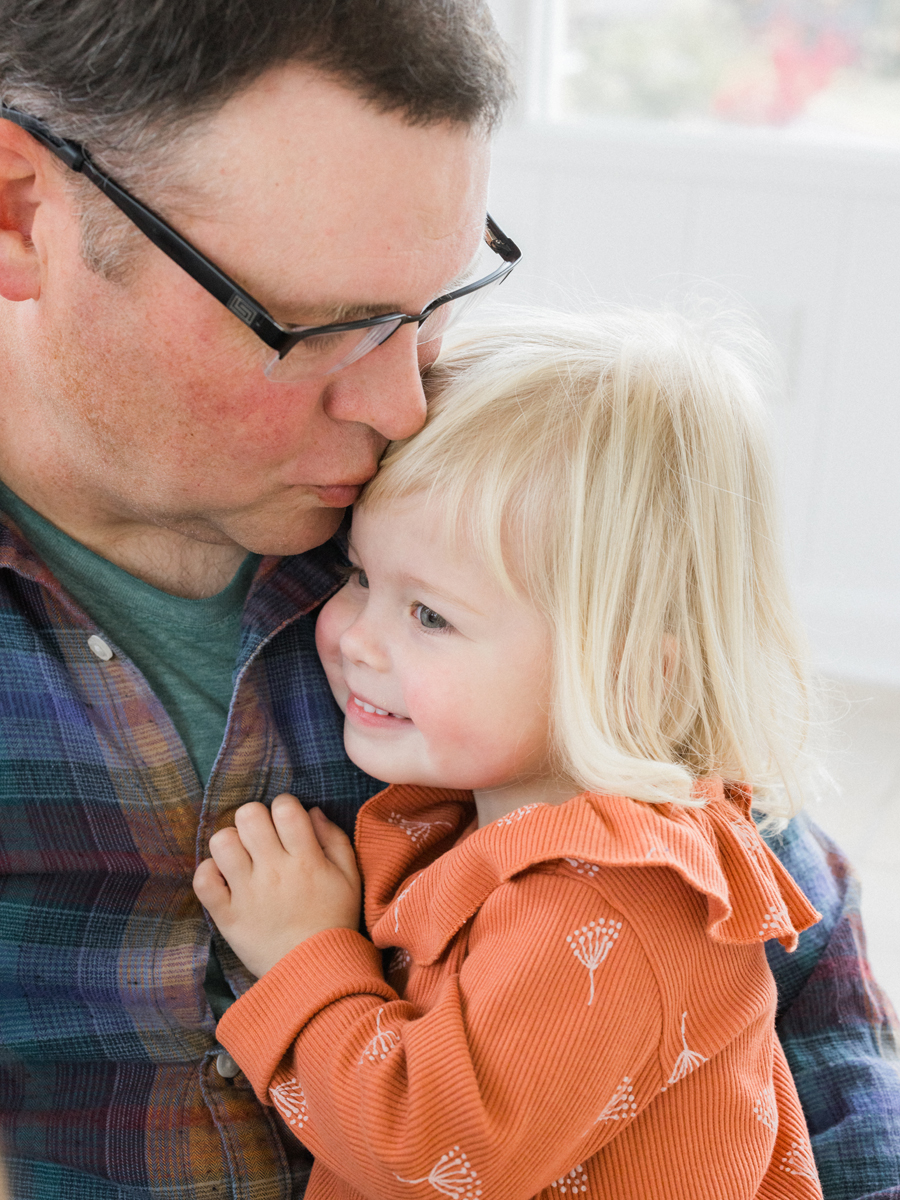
(863, 817)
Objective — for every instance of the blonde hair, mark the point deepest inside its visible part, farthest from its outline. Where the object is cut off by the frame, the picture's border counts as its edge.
(615, 469)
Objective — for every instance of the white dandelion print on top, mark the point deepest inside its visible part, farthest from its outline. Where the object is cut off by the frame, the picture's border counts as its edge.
(517, 814)
(749, 838)
(416, 831)
(776, 920)
(591, 870)
(766, 1111)
(799, 1161)
(409, 887)
(687, 1060)
(622, 1103)
(381, 1044)
(572, 1183)
(657, 849)
(288, 1098)
(452, 1175)
(400, 960)
(592, 943)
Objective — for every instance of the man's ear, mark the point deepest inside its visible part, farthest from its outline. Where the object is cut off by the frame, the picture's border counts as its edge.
(22, 166)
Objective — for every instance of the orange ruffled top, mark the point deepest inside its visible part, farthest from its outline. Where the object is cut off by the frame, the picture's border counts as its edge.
(578, 1004)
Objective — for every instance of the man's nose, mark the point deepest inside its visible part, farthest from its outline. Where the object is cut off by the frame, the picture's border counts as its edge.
(383, 389)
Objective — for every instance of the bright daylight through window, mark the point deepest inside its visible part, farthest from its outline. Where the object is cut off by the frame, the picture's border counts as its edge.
(820, 65)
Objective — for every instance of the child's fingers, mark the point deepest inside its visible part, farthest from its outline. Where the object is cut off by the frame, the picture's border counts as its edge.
(293, 826)
(211, 887)
(257, 831)
(337, 847)
(230, 855)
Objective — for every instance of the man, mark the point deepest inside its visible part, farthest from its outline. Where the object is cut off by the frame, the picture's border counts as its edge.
(167, 418)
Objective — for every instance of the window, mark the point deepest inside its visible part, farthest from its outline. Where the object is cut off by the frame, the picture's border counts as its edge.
(819, 65)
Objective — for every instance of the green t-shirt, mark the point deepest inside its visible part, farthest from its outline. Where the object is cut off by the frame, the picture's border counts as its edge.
(186, 649)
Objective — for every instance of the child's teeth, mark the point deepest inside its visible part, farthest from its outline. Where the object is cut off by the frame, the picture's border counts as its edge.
(370, 708)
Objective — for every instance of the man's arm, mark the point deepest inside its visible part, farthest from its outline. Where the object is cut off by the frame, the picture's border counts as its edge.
(837, 1027)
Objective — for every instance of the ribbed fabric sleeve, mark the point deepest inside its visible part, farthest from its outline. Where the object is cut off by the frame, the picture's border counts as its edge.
(320, 971)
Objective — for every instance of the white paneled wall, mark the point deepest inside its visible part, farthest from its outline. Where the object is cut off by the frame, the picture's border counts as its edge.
(806, 234)
(809, 236)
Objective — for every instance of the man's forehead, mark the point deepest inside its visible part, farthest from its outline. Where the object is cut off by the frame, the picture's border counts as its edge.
(312, 190)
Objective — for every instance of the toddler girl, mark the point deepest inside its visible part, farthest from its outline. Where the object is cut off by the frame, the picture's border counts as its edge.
(565, 639)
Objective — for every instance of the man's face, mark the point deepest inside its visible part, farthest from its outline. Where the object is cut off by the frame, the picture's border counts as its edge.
(154, 400)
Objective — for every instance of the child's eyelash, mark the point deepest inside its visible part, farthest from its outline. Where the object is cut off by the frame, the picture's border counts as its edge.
(346, 571)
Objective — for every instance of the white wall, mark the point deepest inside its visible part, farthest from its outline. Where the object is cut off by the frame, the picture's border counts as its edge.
(809, 236)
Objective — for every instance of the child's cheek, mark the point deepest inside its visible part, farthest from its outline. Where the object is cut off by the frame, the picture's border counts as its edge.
(331, 624)
(452, 730)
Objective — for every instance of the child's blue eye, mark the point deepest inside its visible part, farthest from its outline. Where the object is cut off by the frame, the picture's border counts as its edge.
(428, 618)
(348, 571)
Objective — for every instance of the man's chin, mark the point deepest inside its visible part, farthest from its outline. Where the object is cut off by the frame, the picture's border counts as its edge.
(304, 532)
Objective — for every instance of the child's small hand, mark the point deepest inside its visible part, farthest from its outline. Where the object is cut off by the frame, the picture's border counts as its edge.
(276, 879)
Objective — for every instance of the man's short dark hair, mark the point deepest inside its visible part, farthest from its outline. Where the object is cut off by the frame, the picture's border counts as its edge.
(127, 77)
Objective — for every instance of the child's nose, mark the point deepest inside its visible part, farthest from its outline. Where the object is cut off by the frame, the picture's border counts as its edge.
(362, 645)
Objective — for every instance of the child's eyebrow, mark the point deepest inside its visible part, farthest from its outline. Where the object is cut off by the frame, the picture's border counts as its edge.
(414, 582)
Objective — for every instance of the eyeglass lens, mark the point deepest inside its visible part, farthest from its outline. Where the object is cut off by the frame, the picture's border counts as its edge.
(327, 353)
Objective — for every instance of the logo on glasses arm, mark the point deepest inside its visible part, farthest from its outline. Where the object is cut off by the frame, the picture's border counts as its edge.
(241, 309)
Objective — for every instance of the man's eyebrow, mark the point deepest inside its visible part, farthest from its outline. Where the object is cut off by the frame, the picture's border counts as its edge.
(337, 314)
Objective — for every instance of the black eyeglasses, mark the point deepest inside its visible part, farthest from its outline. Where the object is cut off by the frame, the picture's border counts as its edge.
(317, 349)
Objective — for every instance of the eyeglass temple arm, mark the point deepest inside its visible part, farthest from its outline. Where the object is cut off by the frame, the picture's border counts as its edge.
(220, 285)
(172, 244)
(499, 242)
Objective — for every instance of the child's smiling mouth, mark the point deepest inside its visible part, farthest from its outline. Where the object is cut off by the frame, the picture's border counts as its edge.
(369, 714)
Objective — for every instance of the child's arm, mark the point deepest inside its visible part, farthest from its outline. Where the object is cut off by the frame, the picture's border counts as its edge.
(276, 879)
(500, 1087)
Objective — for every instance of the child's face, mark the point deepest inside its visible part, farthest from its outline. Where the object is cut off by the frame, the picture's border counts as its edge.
(459, 668)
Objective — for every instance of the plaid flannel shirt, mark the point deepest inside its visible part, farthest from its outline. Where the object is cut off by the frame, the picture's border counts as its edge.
(108, 1086)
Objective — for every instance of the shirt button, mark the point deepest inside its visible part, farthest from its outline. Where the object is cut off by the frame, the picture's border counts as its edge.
(226, 1066)
(100, 648)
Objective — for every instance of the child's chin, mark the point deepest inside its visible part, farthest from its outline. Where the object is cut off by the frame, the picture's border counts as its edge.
(378, 766)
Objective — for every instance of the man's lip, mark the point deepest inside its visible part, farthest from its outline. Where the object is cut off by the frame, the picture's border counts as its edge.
(336, 495)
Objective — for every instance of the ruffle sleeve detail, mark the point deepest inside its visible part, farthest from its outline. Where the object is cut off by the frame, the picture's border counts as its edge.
(763, 900)
(414, 862)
